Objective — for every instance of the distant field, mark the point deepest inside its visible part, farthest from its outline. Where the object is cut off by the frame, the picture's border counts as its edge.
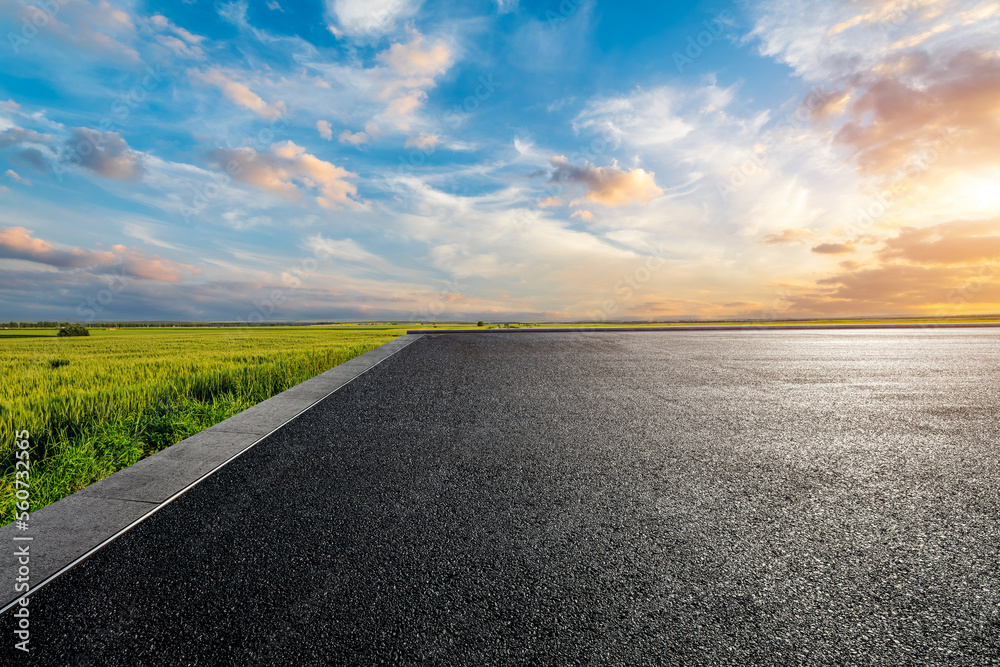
(721, 323)
(98, 404)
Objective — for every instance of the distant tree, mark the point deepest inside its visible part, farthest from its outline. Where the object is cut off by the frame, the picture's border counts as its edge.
(480, 324)
(74, 330)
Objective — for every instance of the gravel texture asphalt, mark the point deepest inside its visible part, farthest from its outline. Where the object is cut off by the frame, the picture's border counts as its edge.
(818, 498)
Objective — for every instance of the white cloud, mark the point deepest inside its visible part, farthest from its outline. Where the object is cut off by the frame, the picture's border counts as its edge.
(368, 18)
(353, 138)
(242, 95)
(17, 178)
(424, 141)
(325, 129)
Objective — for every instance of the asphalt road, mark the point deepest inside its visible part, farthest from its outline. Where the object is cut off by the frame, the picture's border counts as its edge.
(780, 498)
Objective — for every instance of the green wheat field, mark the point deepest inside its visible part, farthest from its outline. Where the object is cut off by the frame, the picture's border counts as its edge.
(94, 405)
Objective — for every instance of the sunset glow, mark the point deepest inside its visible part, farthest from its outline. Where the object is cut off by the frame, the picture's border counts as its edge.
(499, 160)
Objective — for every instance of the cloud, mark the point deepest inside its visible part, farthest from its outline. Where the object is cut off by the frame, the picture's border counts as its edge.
(948, 268)
(14, 176)
(368, 18)
(104, 153)
(914, 85)
(286, 170)
(242, 95)
(27, 140)
(583, 215)
(18, 243)
(412, 68)
(15, 136)
(823, 40)
(425, 142)
(180, 41)
(353, 138)
(903, 289)
(608, 186)
(922, 112)
(325, 129)
(950, 243)
(788, 236)
(33, 158)
(97, 28)
(417, 63)
(651, 117)
(833, 249)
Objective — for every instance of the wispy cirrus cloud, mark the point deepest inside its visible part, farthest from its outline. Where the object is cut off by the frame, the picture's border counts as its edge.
(241, 94)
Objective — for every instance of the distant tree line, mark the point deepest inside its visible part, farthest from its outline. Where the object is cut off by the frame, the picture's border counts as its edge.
(46, 324)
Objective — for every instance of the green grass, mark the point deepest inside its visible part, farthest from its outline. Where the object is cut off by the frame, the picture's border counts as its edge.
(98, 404)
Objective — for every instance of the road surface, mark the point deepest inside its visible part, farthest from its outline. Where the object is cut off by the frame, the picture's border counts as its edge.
(806, 497)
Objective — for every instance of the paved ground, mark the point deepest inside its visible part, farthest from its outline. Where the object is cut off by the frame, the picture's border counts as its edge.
(676, 498)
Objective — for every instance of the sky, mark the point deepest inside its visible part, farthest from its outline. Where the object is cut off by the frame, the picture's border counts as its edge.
(503, 160)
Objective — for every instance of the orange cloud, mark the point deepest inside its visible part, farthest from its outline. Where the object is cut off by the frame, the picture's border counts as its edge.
(956, 242)
(412, 69)
(18, 243)
(415, 61)
(243, 96)
(917, 113)
(287, 169)
(353, 138)
(16, 177)
(424, 141)
(833, 249)
(788, 236)
(949, 268)
(608, 186)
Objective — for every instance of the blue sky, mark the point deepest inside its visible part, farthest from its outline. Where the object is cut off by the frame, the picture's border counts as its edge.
(583, 160)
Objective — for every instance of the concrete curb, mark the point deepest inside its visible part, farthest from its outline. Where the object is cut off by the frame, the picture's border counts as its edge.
(71, 529)
(724, 327)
